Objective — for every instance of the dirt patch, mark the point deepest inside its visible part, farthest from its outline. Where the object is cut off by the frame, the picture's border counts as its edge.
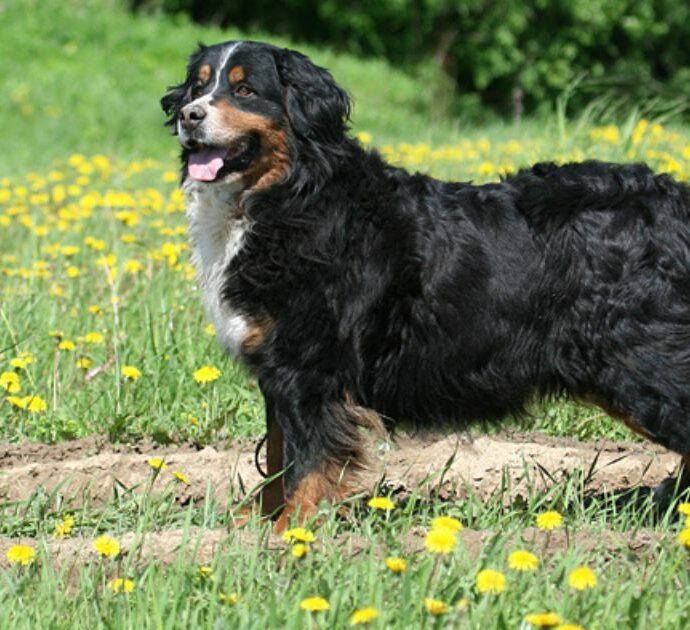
(455, 465)
(89, 471)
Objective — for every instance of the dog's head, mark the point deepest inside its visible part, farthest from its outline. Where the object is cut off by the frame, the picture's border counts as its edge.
(245, 108)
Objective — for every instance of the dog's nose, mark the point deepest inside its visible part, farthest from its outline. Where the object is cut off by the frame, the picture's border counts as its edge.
(191, 116)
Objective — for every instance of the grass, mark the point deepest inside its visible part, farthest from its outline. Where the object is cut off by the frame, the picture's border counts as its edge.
(94, 278)
(346, 566)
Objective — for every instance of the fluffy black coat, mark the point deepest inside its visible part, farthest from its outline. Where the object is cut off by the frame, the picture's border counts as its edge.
(434, 301)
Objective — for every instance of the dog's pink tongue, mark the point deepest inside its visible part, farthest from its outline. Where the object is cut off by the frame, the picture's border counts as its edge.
(204, 165)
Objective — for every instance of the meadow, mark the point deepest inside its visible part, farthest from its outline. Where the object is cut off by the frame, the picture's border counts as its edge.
(126, 435)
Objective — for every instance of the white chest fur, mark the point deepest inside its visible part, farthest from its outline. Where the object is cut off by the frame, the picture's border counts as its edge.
(216, 229)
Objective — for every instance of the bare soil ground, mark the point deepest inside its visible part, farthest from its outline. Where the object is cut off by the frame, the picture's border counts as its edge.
(447, 466)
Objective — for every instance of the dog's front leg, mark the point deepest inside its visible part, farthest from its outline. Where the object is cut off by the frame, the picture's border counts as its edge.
(321, 450)
(271, 498)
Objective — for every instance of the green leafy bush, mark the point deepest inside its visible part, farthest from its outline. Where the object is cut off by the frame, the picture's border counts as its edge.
(514, 55)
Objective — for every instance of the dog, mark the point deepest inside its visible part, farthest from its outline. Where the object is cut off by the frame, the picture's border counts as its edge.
(361, 295)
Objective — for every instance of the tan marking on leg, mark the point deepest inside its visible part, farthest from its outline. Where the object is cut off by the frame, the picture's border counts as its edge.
(332, 484)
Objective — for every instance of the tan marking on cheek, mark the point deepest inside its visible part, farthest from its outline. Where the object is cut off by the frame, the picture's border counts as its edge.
(273, 163)
(237, 74)
(204, 73)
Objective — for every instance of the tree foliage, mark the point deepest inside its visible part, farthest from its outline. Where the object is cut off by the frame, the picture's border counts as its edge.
(511, 53)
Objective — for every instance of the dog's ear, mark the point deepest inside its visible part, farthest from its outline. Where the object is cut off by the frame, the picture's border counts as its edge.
(173, 101)
(317, 107)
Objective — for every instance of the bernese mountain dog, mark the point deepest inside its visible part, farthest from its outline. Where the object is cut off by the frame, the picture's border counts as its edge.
(361, 295)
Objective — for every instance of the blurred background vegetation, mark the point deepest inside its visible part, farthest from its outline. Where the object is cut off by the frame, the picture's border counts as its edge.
(87, 75)
(509, 56)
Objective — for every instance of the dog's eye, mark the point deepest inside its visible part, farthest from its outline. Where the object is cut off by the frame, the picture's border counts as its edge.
(197, 89)
(243, 90)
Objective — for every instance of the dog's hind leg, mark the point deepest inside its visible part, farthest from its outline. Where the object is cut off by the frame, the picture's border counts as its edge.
(666, 425)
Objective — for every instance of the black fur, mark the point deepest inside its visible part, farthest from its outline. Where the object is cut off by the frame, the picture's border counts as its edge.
(434, 301)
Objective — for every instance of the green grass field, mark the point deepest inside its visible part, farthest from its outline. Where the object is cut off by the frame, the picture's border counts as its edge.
(102, 334)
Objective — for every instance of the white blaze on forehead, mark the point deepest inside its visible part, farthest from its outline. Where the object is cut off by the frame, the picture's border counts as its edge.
(224, 60)
(207, 98)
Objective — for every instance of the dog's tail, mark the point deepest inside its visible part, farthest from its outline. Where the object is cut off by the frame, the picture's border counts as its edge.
(548, 195)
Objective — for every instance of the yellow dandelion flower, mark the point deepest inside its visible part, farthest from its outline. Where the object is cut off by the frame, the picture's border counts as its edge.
(314, 604)
(64, 529)
(582, 578)
(156, 464)
(17, 401)
(94, 338)
(381, 503)
(121, 585)
(207, 374)
(435, 606)
(300, 550)
(364, 137)
(94, 309)
(447, 522)
(67, 345)
(440, 541)
(130, 372)
(569, 626)
(9, 381)
(95, 243)
(83, 363)
(210, 329)
(491, 581)
(69, 250)
(298, 534)
(205, 572)
(229, 599)
(109, 260)
(549, 520)
(684, 537)
(19, 363)
(684, 509)
(133, 266)
(363, 616)
(107, 546)
(56, 334)
(181, 477)
(21, 554)
(487, 168)
(396, 565)
(522, 560)
(543, 620)
(73, 272)
(34, 404)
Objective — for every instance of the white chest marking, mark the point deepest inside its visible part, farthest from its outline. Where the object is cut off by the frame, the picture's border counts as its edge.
(216, 229)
